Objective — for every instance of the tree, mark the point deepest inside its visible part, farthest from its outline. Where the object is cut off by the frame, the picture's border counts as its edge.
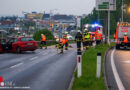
(48, 34)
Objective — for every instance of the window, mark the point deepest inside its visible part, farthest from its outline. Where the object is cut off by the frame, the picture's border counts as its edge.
(26, 39)
(13, 40)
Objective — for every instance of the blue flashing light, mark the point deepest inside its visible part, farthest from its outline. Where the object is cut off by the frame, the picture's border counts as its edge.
(95, 25)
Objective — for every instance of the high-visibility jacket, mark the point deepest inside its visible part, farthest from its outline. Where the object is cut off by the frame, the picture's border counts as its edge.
(125, 39)
(62, 41)
(87, 37)
(43, 38)
(98, 36)
(83, 38)
(114, 36)
(91, 37)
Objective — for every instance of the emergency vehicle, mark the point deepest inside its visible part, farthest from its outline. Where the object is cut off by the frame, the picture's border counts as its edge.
(93, 29)
(122, 37)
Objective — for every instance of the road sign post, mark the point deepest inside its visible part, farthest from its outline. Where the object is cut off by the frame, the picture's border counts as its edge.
(98, 65)
(106, 5)
(79, 64)
(108, 27)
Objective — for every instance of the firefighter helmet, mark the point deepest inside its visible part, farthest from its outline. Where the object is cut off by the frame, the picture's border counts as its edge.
(42, 34)
(125, 33)
(79, 31)
(18, 32)
(86, 29)
(66, 32)
(57, 40)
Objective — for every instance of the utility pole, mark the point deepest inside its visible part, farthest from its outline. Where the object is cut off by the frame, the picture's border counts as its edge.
(105, 27)
(108, 27)
(98, 17)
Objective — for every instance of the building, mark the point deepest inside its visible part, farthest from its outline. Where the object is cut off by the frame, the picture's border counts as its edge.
(34, 15)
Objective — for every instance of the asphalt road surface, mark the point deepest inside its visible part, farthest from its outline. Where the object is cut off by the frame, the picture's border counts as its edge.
(117, 69)
(39, 70)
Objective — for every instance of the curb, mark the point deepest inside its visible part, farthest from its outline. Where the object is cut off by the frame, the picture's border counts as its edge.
(73, 77)
(104, 74)
(72, 80)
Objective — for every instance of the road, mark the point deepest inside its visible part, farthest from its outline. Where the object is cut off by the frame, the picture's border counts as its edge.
(39, 70)
(117, 69)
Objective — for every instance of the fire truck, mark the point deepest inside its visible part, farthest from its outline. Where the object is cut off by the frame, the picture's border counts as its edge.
(93, 29)
(122, 37)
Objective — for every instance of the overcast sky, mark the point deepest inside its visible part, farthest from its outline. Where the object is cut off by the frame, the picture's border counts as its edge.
(75, 7)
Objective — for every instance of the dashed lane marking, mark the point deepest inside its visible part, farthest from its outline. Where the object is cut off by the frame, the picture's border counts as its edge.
(116, 75)
(16, 65)
(33, 58)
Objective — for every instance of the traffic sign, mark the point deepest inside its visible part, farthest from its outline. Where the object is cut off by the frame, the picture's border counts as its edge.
(106, 5)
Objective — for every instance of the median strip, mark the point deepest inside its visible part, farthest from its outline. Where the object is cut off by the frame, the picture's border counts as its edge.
(88, 80)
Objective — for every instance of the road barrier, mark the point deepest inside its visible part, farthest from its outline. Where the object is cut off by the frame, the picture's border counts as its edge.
(98, 65)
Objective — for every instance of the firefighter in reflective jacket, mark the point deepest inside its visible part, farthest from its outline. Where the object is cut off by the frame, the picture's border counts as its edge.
(60, 44)
(83, 38)
(98, 37)
(87, 37)
(125, 38)
(66, 40)
(43, 41)
(78, 39)
(91, 39)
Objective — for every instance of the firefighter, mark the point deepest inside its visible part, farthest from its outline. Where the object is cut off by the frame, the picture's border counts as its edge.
(91, 39)
(83, 38)
(87, 37)
(98, 37)
(58, 44)
(66, 40)
(18, 34)
(78, 39)
(125, 38)
(61, 44)
(43, 41)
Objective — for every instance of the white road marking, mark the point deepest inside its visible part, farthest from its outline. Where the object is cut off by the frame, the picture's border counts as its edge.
(33, 58)
(116, 75)
(16, 65)
(127, 61)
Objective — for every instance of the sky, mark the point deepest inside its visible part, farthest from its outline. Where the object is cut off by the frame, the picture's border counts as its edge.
(73, 7)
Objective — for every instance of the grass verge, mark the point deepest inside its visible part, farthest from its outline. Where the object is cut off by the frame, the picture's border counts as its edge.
(88, 81)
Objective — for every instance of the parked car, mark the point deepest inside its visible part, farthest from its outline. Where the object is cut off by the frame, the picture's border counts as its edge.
(18, 44)
(2, 45)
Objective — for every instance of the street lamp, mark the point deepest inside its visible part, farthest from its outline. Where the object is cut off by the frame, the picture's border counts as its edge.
(122, 7)
(129, 9)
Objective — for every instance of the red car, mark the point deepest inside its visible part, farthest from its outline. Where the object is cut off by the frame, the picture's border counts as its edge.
(18, 44)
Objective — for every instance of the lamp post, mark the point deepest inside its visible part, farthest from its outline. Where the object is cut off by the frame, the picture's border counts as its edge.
(122, 10)
(129, 9)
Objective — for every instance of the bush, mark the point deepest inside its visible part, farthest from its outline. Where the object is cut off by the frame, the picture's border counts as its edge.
(48, 34)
